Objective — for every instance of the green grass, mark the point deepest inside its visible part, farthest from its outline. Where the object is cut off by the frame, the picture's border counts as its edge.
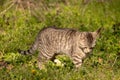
(18, 28)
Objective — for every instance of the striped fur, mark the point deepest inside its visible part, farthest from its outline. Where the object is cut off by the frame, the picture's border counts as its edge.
(53, 41)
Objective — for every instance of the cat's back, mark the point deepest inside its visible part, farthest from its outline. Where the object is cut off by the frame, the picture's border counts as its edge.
(60, 35)
(54, 30)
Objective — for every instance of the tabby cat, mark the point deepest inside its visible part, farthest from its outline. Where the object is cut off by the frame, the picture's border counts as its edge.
(52, 41)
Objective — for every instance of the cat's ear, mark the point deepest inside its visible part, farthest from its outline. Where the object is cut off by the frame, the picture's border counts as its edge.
(98, 32)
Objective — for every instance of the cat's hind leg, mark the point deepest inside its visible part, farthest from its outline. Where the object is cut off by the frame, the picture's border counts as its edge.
(43, 59)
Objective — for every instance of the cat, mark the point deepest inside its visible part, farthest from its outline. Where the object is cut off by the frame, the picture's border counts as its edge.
(52, 41)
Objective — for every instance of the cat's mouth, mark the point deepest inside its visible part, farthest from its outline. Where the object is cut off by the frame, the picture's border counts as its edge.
(86, 50)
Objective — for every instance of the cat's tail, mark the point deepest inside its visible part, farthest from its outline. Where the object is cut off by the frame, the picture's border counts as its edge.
(30, 51)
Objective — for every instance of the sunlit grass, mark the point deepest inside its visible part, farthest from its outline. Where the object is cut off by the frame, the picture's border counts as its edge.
(18, 29)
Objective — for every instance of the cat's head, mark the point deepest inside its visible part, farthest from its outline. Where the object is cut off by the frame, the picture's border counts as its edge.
(88, 41)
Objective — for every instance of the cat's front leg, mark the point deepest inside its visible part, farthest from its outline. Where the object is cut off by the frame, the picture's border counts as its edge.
(77, 60)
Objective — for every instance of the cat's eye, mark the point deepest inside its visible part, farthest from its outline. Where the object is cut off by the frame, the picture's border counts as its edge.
(91, 47)
(85, 47)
